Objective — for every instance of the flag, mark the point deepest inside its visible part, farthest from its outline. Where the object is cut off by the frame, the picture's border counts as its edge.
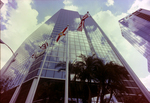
(44, 46)
(61, 34)
(33, 55)
(41, 51)
(80, 25)
(82, 21)
(86, 16)
(1, 42)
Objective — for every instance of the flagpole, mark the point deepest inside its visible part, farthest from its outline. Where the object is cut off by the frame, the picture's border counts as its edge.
(67, 67)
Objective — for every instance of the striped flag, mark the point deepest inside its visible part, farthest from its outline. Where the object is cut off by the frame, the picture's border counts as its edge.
(61, 35)
(33, 55)
(44, 46)
(81, 25)
(41, 51)
(86, 16)
(82, 21)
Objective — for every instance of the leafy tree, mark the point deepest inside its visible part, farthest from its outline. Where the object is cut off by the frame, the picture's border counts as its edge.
(91, 70)
(85, 72)
(109, 77)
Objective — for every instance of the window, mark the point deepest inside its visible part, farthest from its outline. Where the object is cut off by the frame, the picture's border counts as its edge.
(49, 73)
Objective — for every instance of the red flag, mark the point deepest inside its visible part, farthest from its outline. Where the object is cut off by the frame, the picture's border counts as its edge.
(82, 21)
(33, 55)
(80, 25)
(41, 51)
(86, 16)
(61, 34)
(44, 46)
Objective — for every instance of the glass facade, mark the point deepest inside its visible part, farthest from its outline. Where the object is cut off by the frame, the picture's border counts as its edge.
(136, 29)
(92, 40)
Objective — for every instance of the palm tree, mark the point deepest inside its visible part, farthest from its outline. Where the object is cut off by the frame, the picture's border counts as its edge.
(99, 75)
(109, 76)
(86, 67)
(116, 74)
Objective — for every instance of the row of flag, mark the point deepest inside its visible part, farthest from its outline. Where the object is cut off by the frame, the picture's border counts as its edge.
(61, 35)
(80, 27)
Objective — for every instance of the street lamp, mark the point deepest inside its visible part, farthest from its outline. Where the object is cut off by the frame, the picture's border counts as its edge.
(1, 42)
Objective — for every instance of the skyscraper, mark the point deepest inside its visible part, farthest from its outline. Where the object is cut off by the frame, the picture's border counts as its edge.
(43, 70)
(136, 29)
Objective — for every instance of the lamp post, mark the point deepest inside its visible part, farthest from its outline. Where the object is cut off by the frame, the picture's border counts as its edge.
(1, 42)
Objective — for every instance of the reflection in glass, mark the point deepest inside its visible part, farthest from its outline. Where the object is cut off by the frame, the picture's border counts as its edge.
(58, 74)
(49, 73)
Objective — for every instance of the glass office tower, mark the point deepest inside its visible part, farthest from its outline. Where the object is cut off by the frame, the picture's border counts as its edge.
(43, 71)
(136, 29)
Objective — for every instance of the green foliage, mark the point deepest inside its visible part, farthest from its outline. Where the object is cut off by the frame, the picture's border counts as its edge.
(92, 77)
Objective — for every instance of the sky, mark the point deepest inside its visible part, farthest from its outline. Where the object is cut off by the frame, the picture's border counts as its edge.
(20, 18)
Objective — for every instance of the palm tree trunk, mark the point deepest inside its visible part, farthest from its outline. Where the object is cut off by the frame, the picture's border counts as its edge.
(83, 92)
(102, 94)
(89, 99)
(98, 95)
(102, 98)
(110, 95)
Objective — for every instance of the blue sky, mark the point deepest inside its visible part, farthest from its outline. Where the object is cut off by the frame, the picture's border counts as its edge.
(20, 18)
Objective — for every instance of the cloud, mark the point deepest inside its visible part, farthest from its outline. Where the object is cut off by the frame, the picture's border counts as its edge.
(90, 27)
(4, 9)
(145, 4)
(69, 5)
(46, 18)
(110, 2)
(146, 82)
(108, 22)
(21, 22)
(66, 2)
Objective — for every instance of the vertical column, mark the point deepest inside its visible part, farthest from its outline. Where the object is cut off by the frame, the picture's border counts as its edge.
(67, 69)
(35, 84)
(32, 91)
